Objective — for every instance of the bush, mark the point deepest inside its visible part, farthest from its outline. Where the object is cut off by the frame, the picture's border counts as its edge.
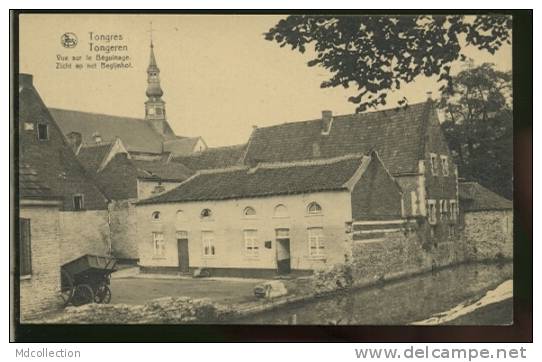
(338, 277)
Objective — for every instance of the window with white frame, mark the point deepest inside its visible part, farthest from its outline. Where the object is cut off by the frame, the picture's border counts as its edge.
(252, 247)
(453, 210)
(432, 211)
(316, 242)
(434, 163)
(249, 212)
(208, 243)
(78, 202)
(43, 132)
(159, 245)
(445, 167)
(314, 208)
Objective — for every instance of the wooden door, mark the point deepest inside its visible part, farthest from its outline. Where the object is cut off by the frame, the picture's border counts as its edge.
(182, 249)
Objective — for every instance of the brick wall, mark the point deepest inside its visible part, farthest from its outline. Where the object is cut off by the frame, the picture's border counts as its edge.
(489, 232)
(123, 224)
(399, 254)
(39, 292)
(84, 232)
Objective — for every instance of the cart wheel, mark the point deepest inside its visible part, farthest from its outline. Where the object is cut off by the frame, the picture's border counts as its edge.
(83, 294)
(103, 294)
(66, 287)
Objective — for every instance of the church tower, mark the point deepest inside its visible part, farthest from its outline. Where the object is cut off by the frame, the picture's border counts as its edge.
(155, 107)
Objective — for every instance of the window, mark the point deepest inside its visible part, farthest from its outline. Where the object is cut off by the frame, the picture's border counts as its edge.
(316, 242)
(252, 247)
(208, 243)
(414, 202)
(249, 212)
(451, 231)
(280, 211)
(78, 202)
(28, 126)
(444, 162)
(43, 132)
(432, 211)
(206, 213)
(443, 209)
(159, 245)
(434, 165)
(25, 248)
(453, 210)
(156, 216)
(314, 208)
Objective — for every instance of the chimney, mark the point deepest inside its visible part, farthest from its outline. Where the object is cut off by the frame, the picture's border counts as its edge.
(25, 80)
(327, 119)
(74, 140)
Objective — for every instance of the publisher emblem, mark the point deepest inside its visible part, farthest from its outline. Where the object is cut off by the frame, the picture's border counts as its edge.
(68, 40)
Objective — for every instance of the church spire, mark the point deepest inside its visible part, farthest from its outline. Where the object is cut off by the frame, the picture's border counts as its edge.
(155, 110)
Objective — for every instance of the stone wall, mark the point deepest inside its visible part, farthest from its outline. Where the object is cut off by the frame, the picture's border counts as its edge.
(490, 233)
(84, 232)
(123, 224)
(39, 292)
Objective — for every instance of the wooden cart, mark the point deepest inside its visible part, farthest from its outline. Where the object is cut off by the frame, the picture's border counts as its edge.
(86, 280)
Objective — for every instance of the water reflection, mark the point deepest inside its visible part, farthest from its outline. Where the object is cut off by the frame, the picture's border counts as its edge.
(396, 303)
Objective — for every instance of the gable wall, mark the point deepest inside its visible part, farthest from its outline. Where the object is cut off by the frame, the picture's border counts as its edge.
(376, 196)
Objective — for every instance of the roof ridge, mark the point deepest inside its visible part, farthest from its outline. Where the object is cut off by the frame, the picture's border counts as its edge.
(311, 162)
(97, 114)
(348, 115)
(94, 145)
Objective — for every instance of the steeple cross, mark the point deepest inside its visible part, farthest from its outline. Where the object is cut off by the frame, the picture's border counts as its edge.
(151, 29)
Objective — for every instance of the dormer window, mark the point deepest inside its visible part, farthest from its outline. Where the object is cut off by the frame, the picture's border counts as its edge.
(78, 202)
(444, 162)
(43, 132)
(434, 164)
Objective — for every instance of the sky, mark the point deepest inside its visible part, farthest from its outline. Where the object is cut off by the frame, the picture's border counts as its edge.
(219, 75)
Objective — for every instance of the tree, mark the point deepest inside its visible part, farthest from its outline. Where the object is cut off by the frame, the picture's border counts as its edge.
(478, 126)
(377, 54)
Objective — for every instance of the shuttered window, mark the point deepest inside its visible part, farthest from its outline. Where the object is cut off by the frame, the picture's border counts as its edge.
(25, 248)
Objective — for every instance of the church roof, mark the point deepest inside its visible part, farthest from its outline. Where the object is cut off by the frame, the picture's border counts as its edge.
(396, 134)
(475, 197)
(266, 180)
(215, 157)
(136, 134)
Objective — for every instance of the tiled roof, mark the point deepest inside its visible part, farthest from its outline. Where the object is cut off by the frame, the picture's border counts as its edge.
(137, 134)
(265, 180)
(216, 157)
(118, 180)
(52, 159)
(396, 134)
(91, 156)
(475, 197)
(31, 186)
(172, 171)
(181, 146)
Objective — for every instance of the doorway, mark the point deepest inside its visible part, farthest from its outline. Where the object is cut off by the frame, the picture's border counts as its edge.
(283, 251)
(182, 249)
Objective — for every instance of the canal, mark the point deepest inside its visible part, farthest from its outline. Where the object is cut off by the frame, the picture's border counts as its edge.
(399, 302)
